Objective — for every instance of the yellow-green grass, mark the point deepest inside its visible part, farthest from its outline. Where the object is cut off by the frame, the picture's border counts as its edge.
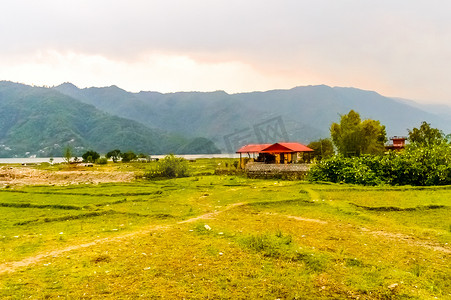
(35, 216)
(287, 240)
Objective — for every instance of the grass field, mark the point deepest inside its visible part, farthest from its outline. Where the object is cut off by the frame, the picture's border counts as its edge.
(224, 237)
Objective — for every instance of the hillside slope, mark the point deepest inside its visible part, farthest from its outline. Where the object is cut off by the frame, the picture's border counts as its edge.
(299, 114)
(42, 122)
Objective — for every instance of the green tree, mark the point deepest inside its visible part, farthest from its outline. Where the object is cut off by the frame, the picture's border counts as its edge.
(323, 148)
(352, 137)
(90, 156)
(114, 155)
(374, 137)
(128, 156)
(426, 136)
(67, 155)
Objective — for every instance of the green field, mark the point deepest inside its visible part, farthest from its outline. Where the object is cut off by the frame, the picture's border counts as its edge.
(265, 239)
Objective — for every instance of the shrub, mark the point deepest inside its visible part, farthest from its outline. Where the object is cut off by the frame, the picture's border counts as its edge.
(102, 161)
(355, 170)
(417, 166)
(170, 167)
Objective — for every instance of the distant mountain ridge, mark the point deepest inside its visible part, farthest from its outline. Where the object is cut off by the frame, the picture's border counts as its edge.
(41, 122)
(306, 112)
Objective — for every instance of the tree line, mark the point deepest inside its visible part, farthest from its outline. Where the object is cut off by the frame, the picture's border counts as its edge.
(356, 154)
(170, 166)
(92, 156)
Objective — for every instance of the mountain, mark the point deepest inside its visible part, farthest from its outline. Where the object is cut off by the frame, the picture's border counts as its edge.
(300, 114)
(442, 110)
(42, 122)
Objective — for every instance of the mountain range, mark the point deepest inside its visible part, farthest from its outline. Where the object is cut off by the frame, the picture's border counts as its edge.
(36, 121)
(300, 114)
(42, 121)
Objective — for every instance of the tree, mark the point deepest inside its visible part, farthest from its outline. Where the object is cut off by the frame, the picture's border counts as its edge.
(323, 148)
(374, 137)
(90, 156)
(426, 136)
(114, 155)
(142, 155)
(352, 137)
(128, 156)
(67, 155)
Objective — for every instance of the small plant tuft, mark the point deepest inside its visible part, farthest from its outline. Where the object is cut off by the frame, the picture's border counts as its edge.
(417, 270)
(101, 258)
(270, 245)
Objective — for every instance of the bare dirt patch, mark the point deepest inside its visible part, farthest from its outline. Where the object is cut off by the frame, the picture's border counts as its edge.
(17, 176)
(297, 218)
(410, 240)
(212, 215)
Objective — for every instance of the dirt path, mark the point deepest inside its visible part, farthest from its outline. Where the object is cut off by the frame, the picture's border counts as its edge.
(212, 214)
(297, 218)
(14, 265)
(315, 196)
(19, 176)
(410, 240)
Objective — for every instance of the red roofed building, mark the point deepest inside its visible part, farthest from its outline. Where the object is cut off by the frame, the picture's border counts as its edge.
(286, 148)
(253, 148)
(287, 152)
(279, 153)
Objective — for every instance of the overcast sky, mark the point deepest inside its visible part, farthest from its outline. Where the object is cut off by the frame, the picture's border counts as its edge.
(399, 48)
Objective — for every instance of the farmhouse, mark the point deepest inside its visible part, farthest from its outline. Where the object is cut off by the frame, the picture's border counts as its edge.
(284, 157)
(287, 153)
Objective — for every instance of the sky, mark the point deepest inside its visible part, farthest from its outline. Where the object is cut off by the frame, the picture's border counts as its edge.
(397, 48)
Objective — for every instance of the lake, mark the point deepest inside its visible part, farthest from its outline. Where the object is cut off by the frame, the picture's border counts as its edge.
(34, 160)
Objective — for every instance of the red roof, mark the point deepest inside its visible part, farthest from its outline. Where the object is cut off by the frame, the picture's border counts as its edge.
(253, 148)
(286, 148)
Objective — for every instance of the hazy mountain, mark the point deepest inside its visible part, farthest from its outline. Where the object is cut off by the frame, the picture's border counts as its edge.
(43, 121)
(303, 113)
(439, 109)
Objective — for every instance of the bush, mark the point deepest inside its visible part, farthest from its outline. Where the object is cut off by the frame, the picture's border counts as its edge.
(348, 170)
(170, 167)
(102, 161)
(417, 166)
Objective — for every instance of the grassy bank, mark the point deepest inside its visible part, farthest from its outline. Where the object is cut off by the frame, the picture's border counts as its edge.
(225, 237)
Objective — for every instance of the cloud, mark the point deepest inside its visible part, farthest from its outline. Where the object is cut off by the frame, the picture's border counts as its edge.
(156, 71)
(399, 48)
